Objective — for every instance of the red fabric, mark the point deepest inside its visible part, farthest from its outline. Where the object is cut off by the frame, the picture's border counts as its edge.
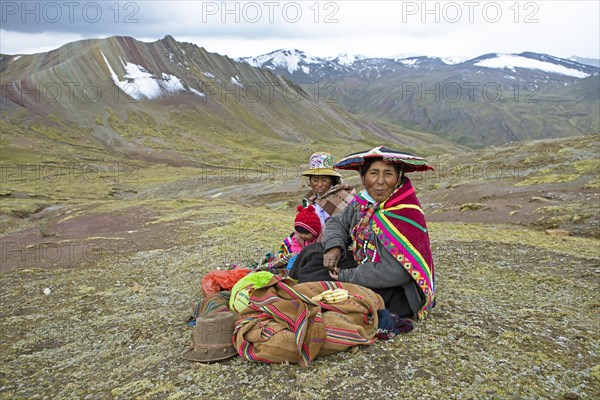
(218, 280)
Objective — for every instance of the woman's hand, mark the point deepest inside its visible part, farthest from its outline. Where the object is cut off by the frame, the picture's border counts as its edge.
(334, 274)
(331, 258)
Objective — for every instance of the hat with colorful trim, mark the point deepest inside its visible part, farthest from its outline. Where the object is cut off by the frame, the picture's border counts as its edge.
(411, 162)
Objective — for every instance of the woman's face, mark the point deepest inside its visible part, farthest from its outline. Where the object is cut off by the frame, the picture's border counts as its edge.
(320, 184)
(380, 180)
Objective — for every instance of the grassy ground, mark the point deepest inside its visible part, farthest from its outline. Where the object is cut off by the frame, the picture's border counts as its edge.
(512, 321)
(517, 312)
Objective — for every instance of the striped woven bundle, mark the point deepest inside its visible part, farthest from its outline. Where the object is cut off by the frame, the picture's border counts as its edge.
(283, 324)
(411, 162)
(213, 303)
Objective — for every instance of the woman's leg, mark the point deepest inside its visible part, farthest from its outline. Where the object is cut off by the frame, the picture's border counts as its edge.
(395, 300)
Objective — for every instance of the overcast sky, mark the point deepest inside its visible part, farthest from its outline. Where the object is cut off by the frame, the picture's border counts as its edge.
(319, 28)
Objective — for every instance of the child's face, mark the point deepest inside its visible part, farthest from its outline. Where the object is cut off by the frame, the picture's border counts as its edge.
(307, 237)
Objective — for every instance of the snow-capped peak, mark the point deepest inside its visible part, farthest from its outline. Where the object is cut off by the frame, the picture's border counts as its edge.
(409, 61)
(298, 63)
(594, 62)
(347, 59)
(512, 61)
(400, 56)
(292, 60)
(453, 60)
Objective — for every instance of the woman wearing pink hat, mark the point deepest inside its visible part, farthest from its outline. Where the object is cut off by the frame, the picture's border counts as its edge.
(328, 193)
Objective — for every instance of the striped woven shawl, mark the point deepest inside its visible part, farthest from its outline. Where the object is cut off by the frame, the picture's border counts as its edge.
(334, 201)
(400, 226)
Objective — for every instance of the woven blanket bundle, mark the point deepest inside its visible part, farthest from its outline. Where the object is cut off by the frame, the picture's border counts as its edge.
(283, 324)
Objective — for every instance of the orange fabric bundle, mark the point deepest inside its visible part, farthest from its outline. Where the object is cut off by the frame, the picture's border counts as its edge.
(218, 280)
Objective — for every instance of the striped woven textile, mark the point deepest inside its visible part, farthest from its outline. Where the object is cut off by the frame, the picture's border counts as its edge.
(334, 201)
(283, 324)
(213, 303)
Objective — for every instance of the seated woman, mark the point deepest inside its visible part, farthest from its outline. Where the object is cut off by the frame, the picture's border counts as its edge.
(328, 193)
(380, 241)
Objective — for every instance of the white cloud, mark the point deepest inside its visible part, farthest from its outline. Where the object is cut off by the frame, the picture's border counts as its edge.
(31, 43)
(325, 28)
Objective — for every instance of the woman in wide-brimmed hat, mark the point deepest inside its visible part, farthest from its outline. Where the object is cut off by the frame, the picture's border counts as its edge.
(381, 240)
(328, 193)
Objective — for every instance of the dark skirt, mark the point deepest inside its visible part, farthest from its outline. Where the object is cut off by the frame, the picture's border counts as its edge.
(308, 267)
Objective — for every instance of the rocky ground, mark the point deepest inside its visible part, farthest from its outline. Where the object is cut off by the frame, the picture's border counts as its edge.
(96, 288)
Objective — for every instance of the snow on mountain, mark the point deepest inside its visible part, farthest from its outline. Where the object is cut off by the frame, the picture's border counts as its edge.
(408, 61)
(236, 81)
(347, 59)
(512, 61)
(292, 60)
(197, 92)
(171, 83)
(144, 84)
(305, 69)
(411, 62)
(140, 84)
(594, 62)
(453, 60)
(297, 61)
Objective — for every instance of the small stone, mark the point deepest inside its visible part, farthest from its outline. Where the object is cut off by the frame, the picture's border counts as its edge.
(571, 396)
(557, 232)
(137, 288)
(471, 206)
(47, 291)
(538, 199)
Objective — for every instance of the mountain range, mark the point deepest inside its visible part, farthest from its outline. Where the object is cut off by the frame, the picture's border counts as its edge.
(301, 67)
(588, 61)
(174, 102)
(488, 100)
